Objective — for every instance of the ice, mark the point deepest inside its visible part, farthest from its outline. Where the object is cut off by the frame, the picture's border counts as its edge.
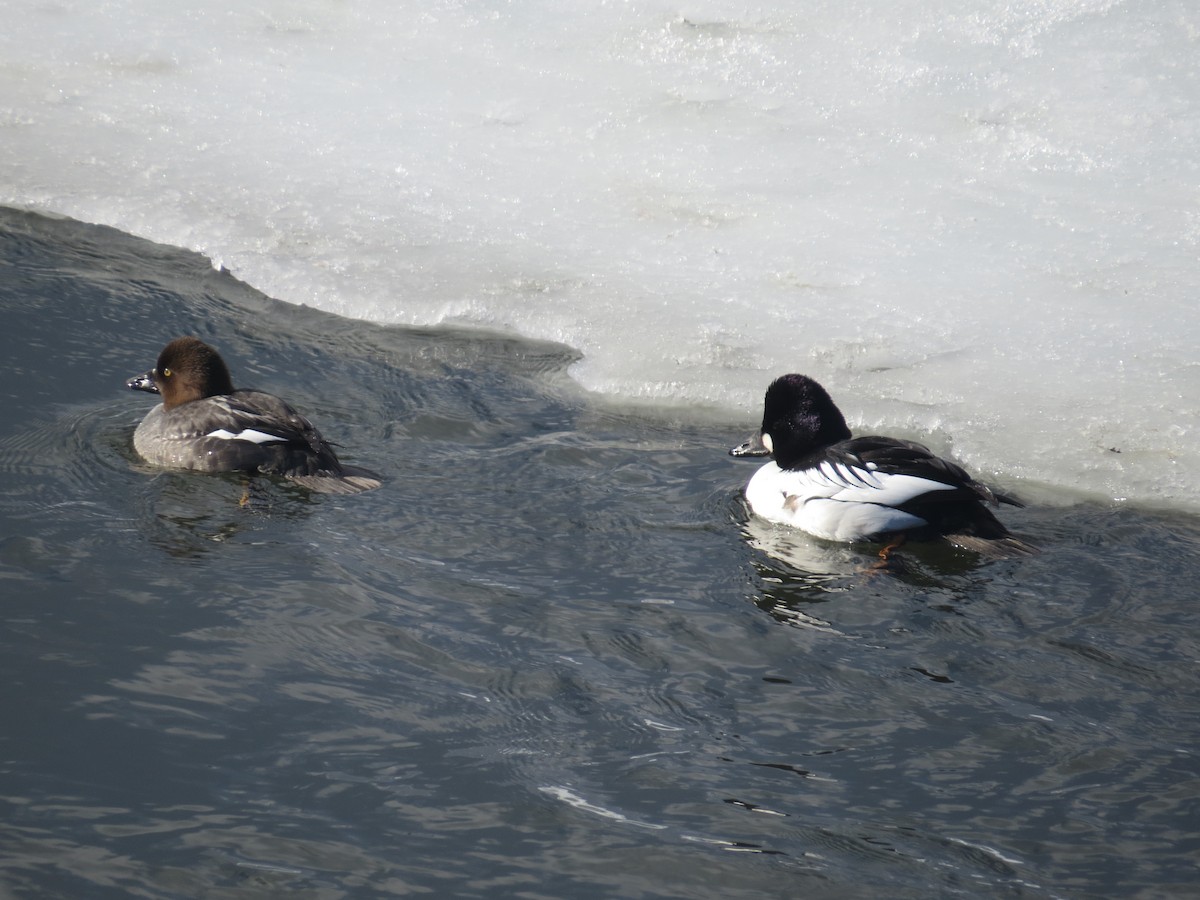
(975, 223)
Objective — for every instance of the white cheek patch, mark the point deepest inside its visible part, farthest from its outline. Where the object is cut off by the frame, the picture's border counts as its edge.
(768, 443)
(257, 437)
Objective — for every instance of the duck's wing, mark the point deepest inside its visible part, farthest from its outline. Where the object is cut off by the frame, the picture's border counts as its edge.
(894, 456)
(285, 442)
(265, 419)
(953, 502)
(849, 479)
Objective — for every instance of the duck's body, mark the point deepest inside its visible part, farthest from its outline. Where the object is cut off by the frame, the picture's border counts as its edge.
(841, 488)
(205, 424)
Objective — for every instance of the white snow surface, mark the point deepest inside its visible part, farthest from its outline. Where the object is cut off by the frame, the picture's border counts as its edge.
(975, 223)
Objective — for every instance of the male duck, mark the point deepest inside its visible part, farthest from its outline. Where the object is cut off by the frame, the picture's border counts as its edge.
(871, 488)
(204, 424)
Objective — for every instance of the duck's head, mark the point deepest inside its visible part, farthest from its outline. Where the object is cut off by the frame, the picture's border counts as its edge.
(799, 417)
(187, 369)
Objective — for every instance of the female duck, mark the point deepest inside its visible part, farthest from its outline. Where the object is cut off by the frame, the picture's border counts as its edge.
(871, 488)
(204, 424)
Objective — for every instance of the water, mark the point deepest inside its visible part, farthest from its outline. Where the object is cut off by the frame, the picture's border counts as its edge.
(551, 657)
(976, 222)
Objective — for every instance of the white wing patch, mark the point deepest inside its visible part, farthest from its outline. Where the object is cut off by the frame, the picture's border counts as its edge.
(840, 475)
(248, 434)
(851, 484)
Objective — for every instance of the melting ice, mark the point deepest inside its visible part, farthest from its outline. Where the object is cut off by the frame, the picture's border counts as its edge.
(975, 223)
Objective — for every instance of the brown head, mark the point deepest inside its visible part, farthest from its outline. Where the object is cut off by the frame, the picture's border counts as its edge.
(187, 369)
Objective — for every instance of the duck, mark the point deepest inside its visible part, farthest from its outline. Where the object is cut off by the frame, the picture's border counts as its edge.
(837, 487)
(204, 424)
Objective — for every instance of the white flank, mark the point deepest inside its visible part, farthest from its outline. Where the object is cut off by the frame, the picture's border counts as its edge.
(836, 501)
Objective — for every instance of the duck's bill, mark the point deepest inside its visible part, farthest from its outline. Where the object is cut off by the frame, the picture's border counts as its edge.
(143, 382)
(753, 447)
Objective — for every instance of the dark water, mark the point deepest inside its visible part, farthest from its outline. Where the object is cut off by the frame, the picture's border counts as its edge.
(549, 658)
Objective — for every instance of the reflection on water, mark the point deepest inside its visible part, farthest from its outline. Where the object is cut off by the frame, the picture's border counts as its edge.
(552, 656)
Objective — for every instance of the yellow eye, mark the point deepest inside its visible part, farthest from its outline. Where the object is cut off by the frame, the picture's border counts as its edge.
(166, 373)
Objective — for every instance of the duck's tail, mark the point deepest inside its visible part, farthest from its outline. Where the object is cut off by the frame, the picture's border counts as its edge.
(351, 480)
(1008, 547)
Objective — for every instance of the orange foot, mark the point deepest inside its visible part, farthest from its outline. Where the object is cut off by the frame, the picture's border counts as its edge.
(885, 555)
